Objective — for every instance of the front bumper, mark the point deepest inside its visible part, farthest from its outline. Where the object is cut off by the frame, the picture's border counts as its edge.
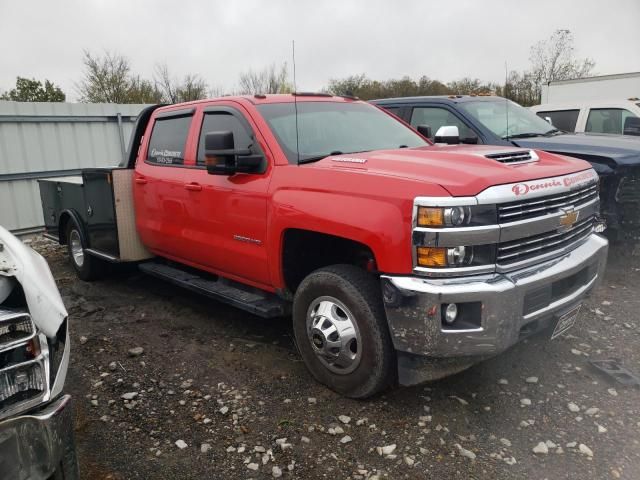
(39, 445)
(514, 305)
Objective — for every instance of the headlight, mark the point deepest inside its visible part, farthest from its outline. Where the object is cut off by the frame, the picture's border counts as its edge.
(29, 361)
(21, 382)
(461, 256)
(456, 216)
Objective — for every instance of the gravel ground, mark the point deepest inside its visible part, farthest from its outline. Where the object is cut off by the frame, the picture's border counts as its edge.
(174, 386)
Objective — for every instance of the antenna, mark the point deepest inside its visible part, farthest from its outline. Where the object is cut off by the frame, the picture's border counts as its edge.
(295, 99)
(506, 100)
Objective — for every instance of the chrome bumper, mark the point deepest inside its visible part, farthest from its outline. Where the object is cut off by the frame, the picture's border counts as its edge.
(39, 445)
(514, 304)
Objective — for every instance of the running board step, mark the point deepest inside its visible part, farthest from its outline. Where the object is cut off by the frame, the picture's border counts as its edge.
(263, 304)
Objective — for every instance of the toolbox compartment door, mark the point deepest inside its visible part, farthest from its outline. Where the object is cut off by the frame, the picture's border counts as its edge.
(100, 211)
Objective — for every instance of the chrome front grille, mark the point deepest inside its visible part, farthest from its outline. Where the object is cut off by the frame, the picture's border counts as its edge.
(545, 243)
(530, 223)
(536, 207)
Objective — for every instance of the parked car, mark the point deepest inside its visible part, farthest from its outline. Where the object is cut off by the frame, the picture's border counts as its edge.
(492, 120)
(618, 117)
(398, 260)
(36, 421)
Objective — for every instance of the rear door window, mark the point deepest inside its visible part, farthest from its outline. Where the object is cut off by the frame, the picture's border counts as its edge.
(168, 140)
(436, 117)
(562, 119)
(224, 121)
(607, 120)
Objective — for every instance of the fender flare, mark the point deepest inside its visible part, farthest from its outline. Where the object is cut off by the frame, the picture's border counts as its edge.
(74, 217)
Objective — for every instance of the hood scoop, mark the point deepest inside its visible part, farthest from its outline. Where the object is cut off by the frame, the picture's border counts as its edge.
(514, 158)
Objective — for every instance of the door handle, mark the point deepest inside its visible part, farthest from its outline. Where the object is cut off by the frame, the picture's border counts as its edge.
(141, 180)
(193, 187)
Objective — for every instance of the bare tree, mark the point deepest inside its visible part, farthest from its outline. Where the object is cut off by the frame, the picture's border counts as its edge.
(469, 86)
(520, 88)
(192, 87)
(165, 83)
(268, 80)
(143, 91)
(554, 59)
(217, 91)
(106, 79)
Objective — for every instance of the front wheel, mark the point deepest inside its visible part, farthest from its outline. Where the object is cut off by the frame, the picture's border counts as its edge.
(87, 266)
(341, 331)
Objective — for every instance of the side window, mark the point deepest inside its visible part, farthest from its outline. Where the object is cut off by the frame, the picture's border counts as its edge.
(436, 117)
(168, 140)
(219, 122)
(394, 110)
(562, 119)
(606, 120)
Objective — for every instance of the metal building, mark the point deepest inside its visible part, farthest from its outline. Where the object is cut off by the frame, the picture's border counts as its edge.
(40, 140)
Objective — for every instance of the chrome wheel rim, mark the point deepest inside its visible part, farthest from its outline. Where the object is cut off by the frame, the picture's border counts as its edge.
(334, 335)
(77, 252)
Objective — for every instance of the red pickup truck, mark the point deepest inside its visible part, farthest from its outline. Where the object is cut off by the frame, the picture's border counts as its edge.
(399, 261)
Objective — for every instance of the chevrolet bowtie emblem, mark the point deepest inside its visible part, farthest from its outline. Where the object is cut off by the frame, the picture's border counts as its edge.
(568, 218)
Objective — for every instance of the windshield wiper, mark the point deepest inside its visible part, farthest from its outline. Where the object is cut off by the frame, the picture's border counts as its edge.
(523, 135)
(549, 133)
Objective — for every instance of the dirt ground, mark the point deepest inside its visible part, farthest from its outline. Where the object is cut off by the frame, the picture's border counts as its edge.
(232, 391)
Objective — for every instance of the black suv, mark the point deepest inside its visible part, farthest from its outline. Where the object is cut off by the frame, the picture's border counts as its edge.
(494, 120)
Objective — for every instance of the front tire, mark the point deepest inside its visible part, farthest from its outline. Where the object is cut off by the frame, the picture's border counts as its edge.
(341, 331)
(87, 266)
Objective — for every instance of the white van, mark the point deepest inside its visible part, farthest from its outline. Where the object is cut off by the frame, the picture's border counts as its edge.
(621, 117)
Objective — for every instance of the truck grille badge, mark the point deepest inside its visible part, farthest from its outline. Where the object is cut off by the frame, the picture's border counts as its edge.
(569, 217)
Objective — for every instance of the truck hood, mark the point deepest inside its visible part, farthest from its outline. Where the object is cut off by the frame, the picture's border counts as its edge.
(19, 263)
(460, 169)
(613, 150)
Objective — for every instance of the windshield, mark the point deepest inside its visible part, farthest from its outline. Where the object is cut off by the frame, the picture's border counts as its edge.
(326, 128)
(522, 122)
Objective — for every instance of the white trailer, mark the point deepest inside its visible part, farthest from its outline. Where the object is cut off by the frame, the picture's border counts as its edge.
(605, 87)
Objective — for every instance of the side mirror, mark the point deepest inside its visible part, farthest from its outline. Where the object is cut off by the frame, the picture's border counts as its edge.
(424, 130)
(548, 120)
(448, 134)
(632, 126)
(222, 158)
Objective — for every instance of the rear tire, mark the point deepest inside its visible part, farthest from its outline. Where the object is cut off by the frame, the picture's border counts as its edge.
(87, 266)
(341, 331)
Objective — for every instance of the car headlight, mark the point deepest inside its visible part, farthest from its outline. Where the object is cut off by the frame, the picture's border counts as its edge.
(21, 382)
(456, 216)
(460, 256)
(29, 360)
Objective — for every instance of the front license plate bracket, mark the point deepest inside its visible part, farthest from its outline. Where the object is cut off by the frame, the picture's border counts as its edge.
(565, 322)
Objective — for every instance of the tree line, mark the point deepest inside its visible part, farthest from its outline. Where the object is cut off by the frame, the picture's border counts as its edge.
(109, 78)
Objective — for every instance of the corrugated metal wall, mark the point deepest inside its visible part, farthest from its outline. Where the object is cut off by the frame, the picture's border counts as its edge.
(40, 140)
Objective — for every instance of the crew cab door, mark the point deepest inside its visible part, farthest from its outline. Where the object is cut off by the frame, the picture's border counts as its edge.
(228, 217)
(163, 168)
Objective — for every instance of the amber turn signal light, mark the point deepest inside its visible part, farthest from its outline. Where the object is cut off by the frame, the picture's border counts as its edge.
(430, 217)
(432, 257)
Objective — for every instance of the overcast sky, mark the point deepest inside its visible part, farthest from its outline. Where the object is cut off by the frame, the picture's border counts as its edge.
(446, 40)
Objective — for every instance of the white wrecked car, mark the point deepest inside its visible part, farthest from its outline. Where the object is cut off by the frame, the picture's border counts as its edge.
(36, 422)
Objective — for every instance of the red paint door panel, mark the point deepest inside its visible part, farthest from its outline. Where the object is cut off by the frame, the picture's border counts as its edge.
(162, 203)
(228, 224)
